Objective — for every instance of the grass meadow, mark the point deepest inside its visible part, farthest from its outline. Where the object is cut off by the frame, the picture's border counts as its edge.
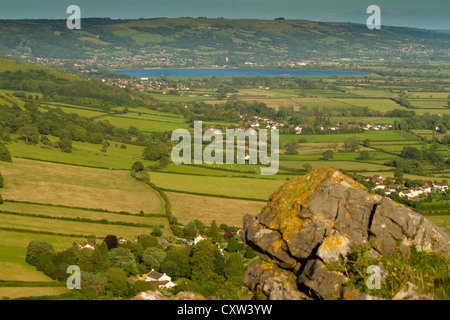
(245, 188)
(59, 184)
(145, 126)
(188, 207)
(83, 154)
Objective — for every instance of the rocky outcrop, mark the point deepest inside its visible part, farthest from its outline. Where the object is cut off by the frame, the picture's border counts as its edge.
(313, 220)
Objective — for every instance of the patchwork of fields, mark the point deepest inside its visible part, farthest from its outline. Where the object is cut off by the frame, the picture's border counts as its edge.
(66, 197)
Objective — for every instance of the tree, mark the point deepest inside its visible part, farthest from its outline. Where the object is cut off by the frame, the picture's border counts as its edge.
(219, 262)
(155, 151)
(65, 144)
(153, 257)
(4, 153)
(202, 259)
(111, 241)
(366, 155)
(249, 252)
(132, 130)
(232, 245)
(291, 148)
(29, 132)
(399, 175)
(328, 155)
(1, 180)
(190, 230)
(200, 226)
(34, 250)
(99, 257)
(307, 167)
(105, 145)
(235, 267)
(213, 231)
(177, 262)
(148, 241)
(381, 192)
(137, 166)
(409, 152)
(85, 260)
(156, 231)
(123, 258)
(117, 284)
(351, 144)
(92, 284)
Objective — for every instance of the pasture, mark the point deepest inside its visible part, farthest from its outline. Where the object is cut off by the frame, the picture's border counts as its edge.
(188, 207)
(59, 184)
(386, 135)
(83, 154)
(244, 188)
(145, 126)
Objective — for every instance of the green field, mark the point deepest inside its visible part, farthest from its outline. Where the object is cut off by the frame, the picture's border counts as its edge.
(245, 188)
(13, 245)
(69, 228)
(374, 104)
(83, 154)
(143, 125)
(207, 209)
(81, 111)
(381, 136)
(65, 209)
(58, 184)
(44, 210)
(337, 156)
(339, 165)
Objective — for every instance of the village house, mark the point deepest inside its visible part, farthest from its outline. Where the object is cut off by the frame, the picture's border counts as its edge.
(406, 194)
(426, 188)
(86, 245)
(162, 280)
(121, 240)
(440, 186)
(390, 189)
(199, 238)
(379, 182)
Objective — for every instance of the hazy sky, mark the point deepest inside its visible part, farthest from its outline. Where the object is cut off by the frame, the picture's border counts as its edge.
(428, 14)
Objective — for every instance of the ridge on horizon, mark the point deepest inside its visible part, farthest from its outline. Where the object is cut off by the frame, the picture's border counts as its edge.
(223, 18)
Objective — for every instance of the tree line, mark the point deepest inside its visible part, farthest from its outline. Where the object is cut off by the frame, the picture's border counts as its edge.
(108, 270)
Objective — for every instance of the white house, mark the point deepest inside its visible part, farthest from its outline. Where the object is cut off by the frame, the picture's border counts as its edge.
(417, 191)
(391, 188)
(379, 186)
(121, 240)
(162, 280)
(199, 238)
(426, 188)
(406, 193)
(440, 186)
(86, 245)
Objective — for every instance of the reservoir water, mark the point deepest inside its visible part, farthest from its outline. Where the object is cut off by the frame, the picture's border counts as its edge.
(232, 72)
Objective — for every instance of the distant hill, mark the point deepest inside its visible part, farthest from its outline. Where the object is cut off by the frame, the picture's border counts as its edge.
(62, 86)
(13, 65)
(214, 39)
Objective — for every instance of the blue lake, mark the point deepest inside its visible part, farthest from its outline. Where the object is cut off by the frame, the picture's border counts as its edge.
(232, 72)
